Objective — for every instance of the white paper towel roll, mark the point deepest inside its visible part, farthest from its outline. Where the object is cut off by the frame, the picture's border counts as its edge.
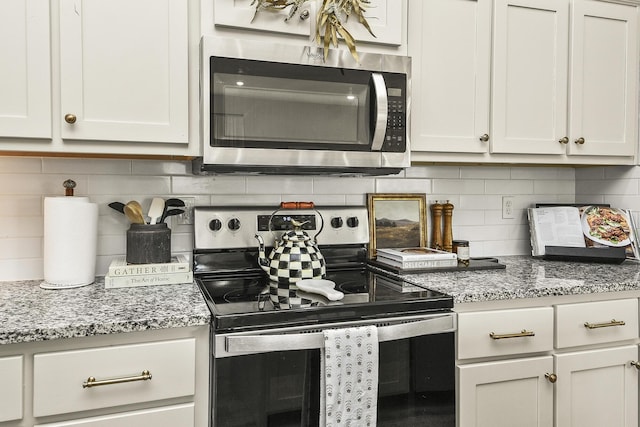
(70, 239)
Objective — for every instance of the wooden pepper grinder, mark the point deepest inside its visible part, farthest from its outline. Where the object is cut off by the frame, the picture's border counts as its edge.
(447, 240)
(436, 234)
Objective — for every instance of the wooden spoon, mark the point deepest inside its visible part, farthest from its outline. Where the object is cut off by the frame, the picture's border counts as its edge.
(133, 211)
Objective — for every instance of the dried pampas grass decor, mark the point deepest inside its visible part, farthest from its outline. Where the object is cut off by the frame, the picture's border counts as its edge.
(330, 21)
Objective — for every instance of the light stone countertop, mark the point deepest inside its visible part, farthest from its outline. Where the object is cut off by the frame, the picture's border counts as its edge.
(527, 277)
(29, 313)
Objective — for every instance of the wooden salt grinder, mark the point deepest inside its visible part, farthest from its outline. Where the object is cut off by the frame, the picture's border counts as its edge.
(447, 240)
(436, 229)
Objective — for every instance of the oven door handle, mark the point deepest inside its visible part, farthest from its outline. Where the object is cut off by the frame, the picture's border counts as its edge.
(315, 340)
(382, 111)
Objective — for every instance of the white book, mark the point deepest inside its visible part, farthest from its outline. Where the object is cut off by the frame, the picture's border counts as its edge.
(148, 280)
(417, 265)
(414, 254)
(119, 267)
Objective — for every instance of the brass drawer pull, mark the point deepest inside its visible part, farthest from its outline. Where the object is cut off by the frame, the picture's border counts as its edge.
(92, 382)
(552, 378)
(613, 322)
(523, 333)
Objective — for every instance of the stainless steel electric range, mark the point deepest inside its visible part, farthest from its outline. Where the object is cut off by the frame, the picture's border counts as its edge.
(265, 358)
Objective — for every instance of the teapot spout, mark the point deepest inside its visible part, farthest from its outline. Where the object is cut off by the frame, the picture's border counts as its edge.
(263, 262)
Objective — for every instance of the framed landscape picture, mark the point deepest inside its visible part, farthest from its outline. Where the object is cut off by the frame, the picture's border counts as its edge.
(396, 221)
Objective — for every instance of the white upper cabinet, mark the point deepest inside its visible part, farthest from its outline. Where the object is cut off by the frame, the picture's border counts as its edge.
(604, 79)
(25, 76)
(529, 82)
(385, 17)
(450, 46)
(124, 70)
(524, 81)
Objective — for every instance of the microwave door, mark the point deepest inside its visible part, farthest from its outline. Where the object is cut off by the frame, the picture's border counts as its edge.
(381, 109)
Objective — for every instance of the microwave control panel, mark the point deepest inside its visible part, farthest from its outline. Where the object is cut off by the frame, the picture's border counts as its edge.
(396, 134)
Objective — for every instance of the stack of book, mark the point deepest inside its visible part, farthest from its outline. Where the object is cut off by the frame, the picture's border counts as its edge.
(416, 258)
(123, 275)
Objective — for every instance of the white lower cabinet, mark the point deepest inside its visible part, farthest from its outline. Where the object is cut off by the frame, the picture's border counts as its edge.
(11, 388)
(589, 378)
(172, 416)
(597, 388)
(122, 375)
(506, 393)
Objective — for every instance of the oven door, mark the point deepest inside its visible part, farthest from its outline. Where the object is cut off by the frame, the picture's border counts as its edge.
(272, 378)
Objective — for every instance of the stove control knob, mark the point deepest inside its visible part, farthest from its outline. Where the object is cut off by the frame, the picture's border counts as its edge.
(215, 225)
(353, 222)
(336, 222)
(234, 224)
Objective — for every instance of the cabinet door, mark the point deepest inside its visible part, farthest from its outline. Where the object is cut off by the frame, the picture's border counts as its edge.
(169, 416)
(11, 386)
(242, 14)
(529, 87)
(597, 388)
(450, 46)
(384, 18)
(124, 70)
(25, 76)
(506, 393)
(604, 79)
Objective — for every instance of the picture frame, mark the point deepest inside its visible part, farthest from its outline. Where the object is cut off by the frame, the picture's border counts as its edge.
(396, 220)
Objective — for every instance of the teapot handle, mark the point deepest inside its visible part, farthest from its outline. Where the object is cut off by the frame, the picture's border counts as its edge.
(294, 206)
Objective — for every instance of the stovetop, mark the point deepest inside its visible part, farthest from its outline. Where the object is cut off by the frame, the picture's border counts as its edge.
(238, 294)
(244, 303)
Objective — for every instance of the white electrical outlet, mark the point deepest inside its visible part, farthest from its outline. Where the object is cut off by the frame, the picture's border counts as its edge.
(186, 217)
(507, 207)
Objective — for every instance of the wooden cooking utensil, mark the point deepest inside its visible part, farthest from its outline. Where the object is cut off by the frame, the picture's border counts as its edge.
(133, 211)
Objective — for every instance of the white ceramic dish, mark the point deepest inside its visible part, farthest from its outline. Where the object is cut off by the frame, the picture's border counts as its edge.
(320, 286)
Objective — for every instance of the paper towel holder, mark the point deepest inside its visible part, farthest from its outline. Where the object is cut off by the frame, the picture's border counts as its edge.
(69, 185)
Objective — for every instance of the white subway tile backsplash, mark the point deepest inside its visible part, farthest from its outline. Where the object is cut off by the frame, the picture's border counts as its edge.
(486, 172)
(407, 185)
(509, 187)
(129, 185)
(22, 165)
(343, 185)
(208, 185)
(475, 191)
(57, 165)
(153, 167)
(279, 185)
(458, 186)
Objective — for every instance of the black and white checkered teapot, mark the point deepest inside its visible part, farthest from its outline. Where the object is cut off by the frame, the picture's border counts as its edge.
(296, 256)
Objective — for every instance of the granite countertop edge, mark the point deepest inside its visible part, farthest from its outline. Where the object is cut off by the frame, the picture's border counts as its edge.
(29, 313)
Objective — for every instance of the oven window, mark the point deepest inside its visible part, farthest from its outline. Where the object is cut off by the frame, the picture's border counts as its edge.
(258, 104)
(416, 386)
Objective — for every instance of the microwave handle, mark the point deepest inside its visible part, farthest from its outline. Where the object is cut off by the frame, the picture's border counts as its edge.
(382, 111)
(306, 341)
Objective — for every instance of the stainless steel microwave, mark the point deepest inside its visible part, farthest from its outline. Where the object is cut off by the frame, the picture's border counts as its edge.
(280, 109)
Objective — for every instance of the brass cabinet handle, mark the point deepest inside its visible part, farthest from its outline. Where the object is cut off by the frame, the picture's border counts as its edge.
(613, 322)
(484, 138)
(70, 118)
(579, 141)
(563, 140)
(551, 377)
(92, 382)
(523, 333)
(635, 364)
